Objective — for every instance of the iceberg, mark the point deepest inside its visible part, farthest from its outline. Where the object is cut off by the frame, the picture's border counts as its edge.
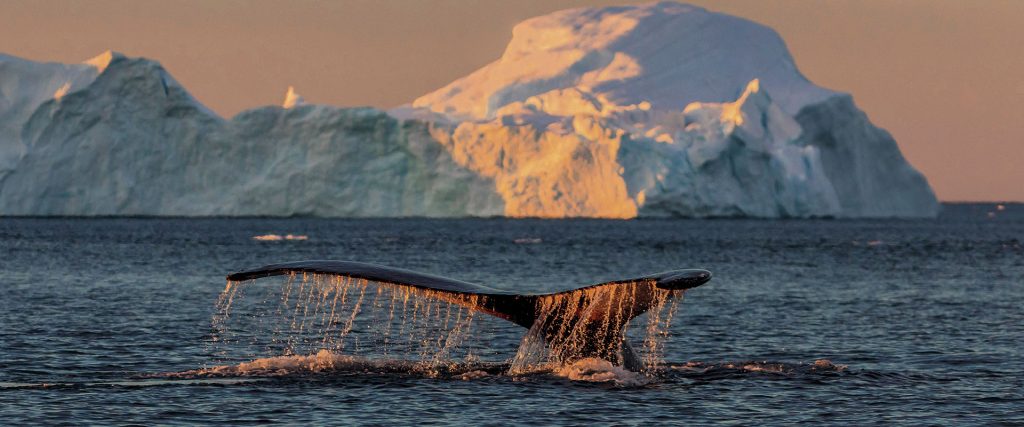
(657, 110)
(135, 142)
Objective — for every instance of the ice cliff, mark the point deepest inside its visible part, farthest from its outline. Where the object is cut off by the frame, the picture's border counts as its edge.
(656, 110)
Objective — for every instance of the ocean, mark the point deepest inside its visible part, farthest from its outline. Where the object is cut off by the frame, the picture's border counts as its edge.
(121, 321)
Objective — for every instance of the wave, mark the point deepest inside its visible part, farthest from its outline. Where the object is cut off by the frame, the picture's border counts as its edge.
(701, 371)
(326, 364)
(589, 370)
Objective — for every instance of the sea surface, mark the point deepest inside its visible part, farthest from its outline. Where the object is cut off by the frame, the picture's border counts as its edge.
(112, 321)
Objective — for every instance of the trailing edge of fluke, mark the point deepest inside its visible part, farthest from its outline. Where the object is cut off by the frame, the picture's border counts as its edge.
(518, 308)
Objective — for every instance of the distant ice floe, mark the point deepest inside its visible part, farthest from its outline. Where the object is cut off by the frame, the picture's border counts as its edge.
(278, 237)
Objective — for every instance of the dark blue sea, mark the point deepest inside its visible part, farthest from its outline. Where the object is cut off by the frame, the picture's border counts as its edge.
(112, 321)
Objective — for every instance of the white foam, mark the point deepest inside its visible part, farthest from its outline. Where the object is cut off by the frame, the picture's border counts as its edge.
(322, 361)
(600, 371)
(474, 375)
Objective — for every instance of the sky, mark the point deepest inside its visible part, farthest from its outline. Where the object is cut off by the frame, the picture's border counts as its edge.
(945, 77)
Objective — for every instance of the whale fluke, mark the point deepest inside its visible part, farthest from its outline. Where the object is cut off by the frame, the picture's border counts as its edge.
(577, 323)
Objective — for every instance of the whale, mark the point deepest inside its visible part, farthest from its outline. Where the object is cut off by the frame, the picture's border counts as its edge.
(586, 322)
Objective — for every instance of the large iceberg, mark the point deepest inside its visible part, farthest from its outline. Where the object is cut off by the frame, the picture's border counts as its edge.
(655, 110)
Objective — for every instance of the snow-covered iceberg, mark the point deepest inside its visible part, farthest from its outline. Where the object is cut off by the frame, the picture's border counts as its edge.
(656, 110)
(134, 142)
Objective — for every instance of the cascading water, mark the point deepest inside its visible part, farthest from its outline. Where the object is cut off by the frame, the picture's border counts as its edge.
(325, 321)
(594, 322)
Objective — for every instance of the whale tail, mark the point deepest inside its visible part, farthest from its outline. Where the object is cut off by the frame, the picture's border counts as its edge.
(573, 324)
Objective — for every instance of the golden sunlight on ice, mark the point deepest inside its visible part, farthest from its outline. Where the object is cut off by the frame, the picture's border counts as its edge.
(732, 111)
(101, 61)
(560, 174)
(63, 90)
(538, 50)
(292, 99)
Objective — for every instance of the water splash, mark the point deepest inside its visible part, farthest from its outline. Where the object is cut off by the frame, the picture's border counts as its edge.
(326, 361)
(322, 321)
(593, 322)
(313, 313)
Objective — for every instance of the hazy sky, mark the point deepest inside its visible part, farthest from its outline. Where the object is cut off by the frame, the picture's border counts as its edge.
(946, 77)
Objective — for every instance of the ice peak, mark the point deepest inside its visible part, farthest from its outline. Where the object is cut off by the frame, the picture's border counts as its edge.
(753, 99)
(103, 60)
(753, 87)
(588, 28)
(292, 99)
(668, 54)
